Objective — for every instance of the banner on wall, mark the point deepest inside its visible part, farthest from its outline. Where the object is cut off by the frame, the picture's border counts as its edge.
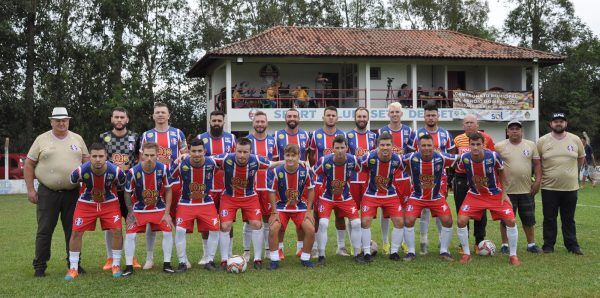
(493, 100)
(344, 114)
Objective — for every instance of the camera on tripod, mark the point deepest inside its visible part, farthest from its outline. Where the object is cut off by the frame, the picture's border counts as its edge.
(389, 81)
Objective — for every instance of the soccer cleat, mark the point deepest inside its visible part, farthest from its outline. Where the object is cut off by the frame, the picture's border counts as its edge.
(108, 264)
(39, 273)
(342, 251)
(128, 271)
(395, 257)
(116, 271)
(424, 249)
(211, 266)
(359, 259)
(465, 259)
(273, 265)
(246, 255)
(404, 247)
(368, 258)
(188, 265)
(446, 256)
(224, 265)
(321, 261)
(314, 253)
(203, 261)
(80, 270)
(534, 249)
(281, 254)
(181, 268)
(514, 260)
(258, 264)
(299, 252)
(149, 264)
(167, 267)
(386, 248)
(476, 249)
(71, 274)
(504, 249)
(135, 263)
(307, 264)
(409, 257)
(576, 251)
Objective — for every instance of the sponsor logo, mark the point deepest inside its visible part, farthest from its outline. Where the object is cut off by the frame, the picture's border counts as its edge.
(360, 152)
(150, 196)
(97, 194)
(172, 133)
(397, 150)
(215, 221)
(382, 182)
(427, 181)
(120, 159)
(74, 147)
(292, 196)
(480, 181)
(116, 218)
(507, 211)
(174, 140)
(78, 221)
(465, 208)
(337, 187)
(197, 191)
(179, 221)
(224, 212)
(525, 152)
(570, 148)
(239, 183)
(365, 208)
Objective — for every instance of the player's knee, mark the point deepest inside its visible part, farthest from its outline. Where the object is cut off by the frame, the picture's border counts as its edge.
(225, 226)
(462, 221)
(255, 224)
(409, 221)
(116, 233)
(366, 222)
(274, 228)
(511, 223)
(308, 228)
(76, 235)
(323, 223)
(446, 221)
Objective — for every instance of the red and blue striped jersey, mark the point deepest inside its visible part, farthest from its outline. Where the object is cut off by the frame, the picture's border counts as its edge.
(98, 188)
(290, 188)
(170, 143)
(147, 187)
(217, 146)
(239, 180)
(359, 145)
(196, 181)
(442, 139)
(400, 143)
(427, 175)
(381, 175)
(336, 177)
(482, 176)
(282, 139)
(322, 144)
(267, 149)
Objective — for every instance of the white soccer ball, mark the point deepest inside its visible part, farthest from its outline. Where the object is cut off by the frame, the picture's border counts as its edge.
(374, 248)
(487, 248)
(236, 264)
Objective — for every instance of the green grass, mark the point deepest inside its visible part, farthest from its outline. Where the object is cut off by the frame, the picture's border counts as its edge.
(558, 274)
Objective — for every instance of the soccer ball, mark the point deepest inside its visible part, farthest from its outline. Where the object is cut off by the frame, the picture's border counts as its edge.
(374, 248)
(487, 248)
(236, 264)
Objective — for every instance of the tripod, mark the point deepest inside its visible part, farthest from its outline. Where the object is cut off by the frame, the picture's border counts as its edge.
(389, 97)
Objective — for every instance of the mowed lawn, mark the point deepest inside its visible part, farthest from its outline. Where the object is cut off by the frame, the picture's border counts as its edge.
(558, 274)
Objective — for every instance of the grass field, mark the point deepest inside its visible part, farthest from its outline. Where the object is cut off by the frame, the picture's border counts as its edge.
(558, 274)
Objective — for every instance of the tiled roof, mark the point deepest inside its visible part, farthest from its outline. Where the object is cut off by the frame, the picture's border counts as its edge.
(381, 43)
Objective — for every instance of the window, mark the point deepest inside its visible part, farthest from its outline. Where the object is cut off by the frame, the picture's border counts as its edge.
(375, 73)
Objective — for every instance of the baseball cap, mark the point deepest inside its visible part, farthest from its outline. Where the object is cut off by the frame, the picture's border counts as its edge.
(514, 121)
(559, 115)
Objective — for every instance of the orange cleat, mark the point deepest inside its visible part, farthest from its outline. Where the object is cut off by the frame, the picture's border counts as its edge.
(71, 274)
(299, 253)
(116, 271)
(514, 260)
(465, 259)
(476, 249)
(108, 264)
(281, 255)
(135, 263)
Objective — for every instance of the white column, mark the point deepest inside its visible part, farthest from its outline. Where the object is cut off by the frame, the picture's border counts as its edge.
(536, 99)
(228, 94)
(368, 90)
(413, 83)
(446, 79)
(523, 78)
(210, 104)
(487, 79)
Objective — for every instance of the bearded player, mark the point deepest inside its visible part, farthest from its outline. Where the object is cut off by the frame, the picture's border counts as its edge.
(98, 201)
(290, 184)
(145, 184)
(484, 170)
(360, 142)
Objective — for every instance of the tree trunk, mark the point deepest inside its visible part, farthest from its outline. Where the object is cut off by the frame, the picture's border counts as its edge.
(30, 33)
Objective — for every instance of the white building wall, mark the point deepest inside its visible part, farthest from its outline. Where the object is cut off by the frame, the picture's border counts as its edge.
(505, 77)
(379, 87)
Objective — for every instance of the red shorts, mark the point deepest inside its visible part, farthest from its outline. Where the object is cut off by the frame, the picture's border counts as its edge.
(265, 203)
(438, 207)
(390, 207)
(342, 209)
(84, 218)
(357, 191)
(216, 196)
(474, 205)
(318, 192)
(444, 186)
(176, 192)
(152, 218)
(249, 205)
(205, 215)
(296, 217)
(403, 189)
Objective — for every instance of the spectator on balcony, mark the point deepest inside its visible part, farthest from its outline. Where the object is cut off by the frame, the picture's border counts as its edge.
(270, 95)
(421, 92)
(301, 96)
(404, 96)
(440, 92)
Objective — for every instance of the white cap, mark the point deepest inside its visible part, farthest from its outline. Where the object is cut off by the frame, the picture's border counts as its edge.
(59, 113)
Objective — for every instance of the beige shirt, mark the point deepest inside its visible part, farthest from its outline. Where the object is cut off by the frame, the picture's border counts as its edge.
(518, 162)
(559, 161)
(57, 158)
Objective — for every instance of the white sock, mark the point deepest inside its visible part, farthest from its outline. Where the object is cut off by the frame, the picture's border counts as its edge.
(224, 244)
(212, 243)
(265, 231)
(397, 236)
(299, 245)
(305, 256)
(316, 243)
(341, 238)
(74, 259)
(167, 246)
(513, 236)
(129, 248)
(247, 232)
(257, 240)
(274, 256)
(150, 239)
(385, 229)
(366, 240)
(116, 256)
(230, 246)
(108, 242)
(463, 236)
(205, 245)
(438, 223)
(424, 225)
(409, 238)
(322, 235)
(280, 246)
(445, 238)
(180, 243)
(355, 235)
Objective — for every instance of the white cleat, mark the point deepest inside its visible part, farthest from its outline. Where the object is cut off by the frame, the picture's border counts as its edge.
(314, 253)
(342, 252)
(203, 261)
(148, 265)
(188, 264)
(246, 255)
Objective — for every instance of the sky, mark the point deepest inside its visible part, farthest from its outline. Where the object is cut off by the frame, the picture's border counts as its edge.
(586, 10)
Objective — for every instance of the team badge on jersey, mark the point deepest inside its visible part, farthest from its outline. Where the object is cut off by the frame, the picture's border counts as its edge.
(107, 139)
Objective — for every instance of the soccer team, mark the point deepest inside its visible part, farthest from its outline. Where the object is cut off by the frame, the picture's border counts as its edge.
(160, 182)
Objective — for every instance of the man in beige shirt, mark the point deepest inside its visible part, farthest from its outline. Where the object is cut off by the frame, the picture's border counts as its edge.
(562, 155)
(520, 156)
(52, 157)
